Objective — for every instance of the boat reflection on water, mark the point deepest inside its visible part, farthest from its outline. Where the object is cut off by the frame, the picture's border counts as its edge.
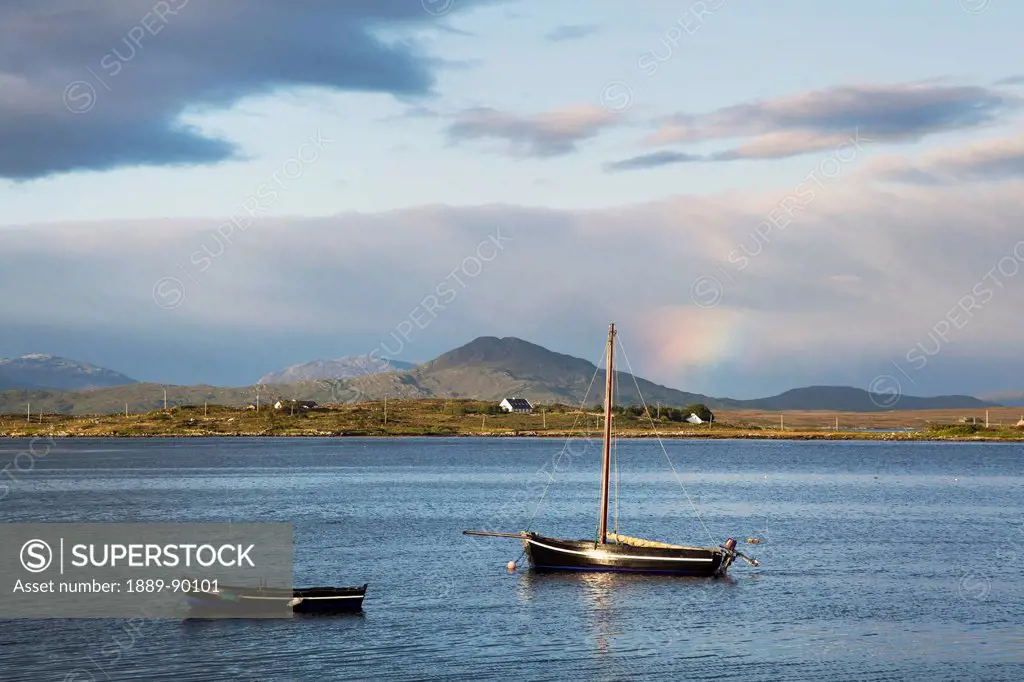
(609, 605)
(604, 590)
(598, 594)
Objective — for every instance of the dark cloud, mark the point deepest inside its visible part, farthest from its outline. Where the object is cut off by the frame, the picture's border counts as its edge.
(99, 84)
(907, 112)
(820, 120)
(653, 160)
(549, 134)
(570, 32)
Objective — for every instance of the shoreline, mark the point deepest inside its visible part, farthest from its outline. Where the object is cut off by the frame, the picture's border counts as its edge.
(902, 436)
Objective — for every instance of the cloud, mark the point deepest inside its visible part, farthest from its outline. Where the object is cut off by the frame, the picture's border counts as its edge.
(781, 144)
(1011, 80)
(101, 85)
(571, 32)
(416, 111)
(653, 160)
(543, 135)
(983, 160)
(859, 276)
(823, 119)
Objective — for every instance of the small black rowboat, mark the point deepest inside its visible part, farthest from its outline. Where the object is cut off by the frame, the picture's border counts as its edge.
(241, 602)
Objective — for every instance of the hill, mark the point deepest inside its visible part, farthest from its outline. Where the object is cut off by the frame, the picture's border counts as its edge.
(51, 372)
(339, 368)
(1006, 397)
(848, 399)
(487, 368)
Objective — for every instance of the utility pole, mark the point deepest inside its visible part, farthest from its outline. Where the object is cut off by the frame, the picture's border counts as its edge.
(257, 397)
(782, 422)
(165, 399)
(837, 422)
(204, 407)
(483, 422)
(28, 414)
(126, 409)
(544, 416)
(659, 409)
(385, 408)
(986, 419)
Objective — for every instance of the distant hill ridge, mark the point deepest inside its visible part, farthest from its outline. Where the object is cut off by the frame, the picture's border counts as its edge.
(487, 368)
(1006, 397)
(339, 368)
(849, 399)
(38, 371)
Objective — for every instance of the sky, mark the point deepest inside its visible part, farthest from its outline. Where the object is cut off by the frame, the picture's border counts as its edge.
(760, 196)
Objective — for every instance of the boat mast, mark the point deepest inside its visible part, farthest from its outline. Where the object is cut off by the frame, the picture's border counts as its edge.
(606, 467)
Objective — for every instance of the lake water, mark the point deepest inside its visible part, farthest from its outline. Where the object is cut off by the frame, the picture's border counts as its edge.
(879, 560)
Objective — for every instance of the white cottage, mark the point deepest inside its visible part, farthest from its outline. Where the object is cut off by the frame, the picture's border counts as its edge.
(294, 404)
(516, 405)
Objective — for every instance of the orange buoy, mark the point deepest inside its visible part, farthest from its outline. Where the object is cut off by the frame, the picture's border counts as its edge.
(754, 541)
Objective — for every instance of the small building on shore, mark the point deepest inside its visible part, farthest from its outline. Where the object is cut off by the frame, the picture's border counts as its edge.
(521, 405)
(283, 404)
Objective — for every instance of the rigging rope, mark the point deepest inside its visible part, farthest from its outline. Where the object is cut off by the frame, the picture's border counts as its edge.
(662, 444)
(551, 477)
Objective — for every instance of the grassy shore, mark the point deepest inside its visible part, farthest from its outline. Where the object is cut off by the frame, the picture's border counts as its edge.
(471, 418)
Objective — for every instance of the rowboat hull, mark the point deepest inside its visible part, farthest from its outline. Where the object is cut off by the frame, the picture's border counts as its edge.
(553, 554)
(249, 602)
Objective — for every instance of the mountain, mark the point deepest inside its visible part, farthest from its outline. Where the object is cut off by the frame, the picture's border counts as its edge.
(487, 368)
(50, 372)
(848, 399)
(339, 368)
(1006, 397)
(491, 368)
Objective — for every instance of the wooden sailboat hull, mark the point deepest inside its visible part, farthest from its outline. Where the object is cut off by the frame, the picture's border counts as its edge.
(553, 554)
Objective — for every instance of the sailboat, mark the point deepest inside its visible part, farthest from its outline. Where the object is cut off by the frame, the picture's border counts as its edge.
(614, 552)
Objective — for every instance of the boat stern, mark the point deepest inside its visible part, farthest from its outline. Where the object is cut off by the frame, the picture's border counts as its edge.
(729, 554)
